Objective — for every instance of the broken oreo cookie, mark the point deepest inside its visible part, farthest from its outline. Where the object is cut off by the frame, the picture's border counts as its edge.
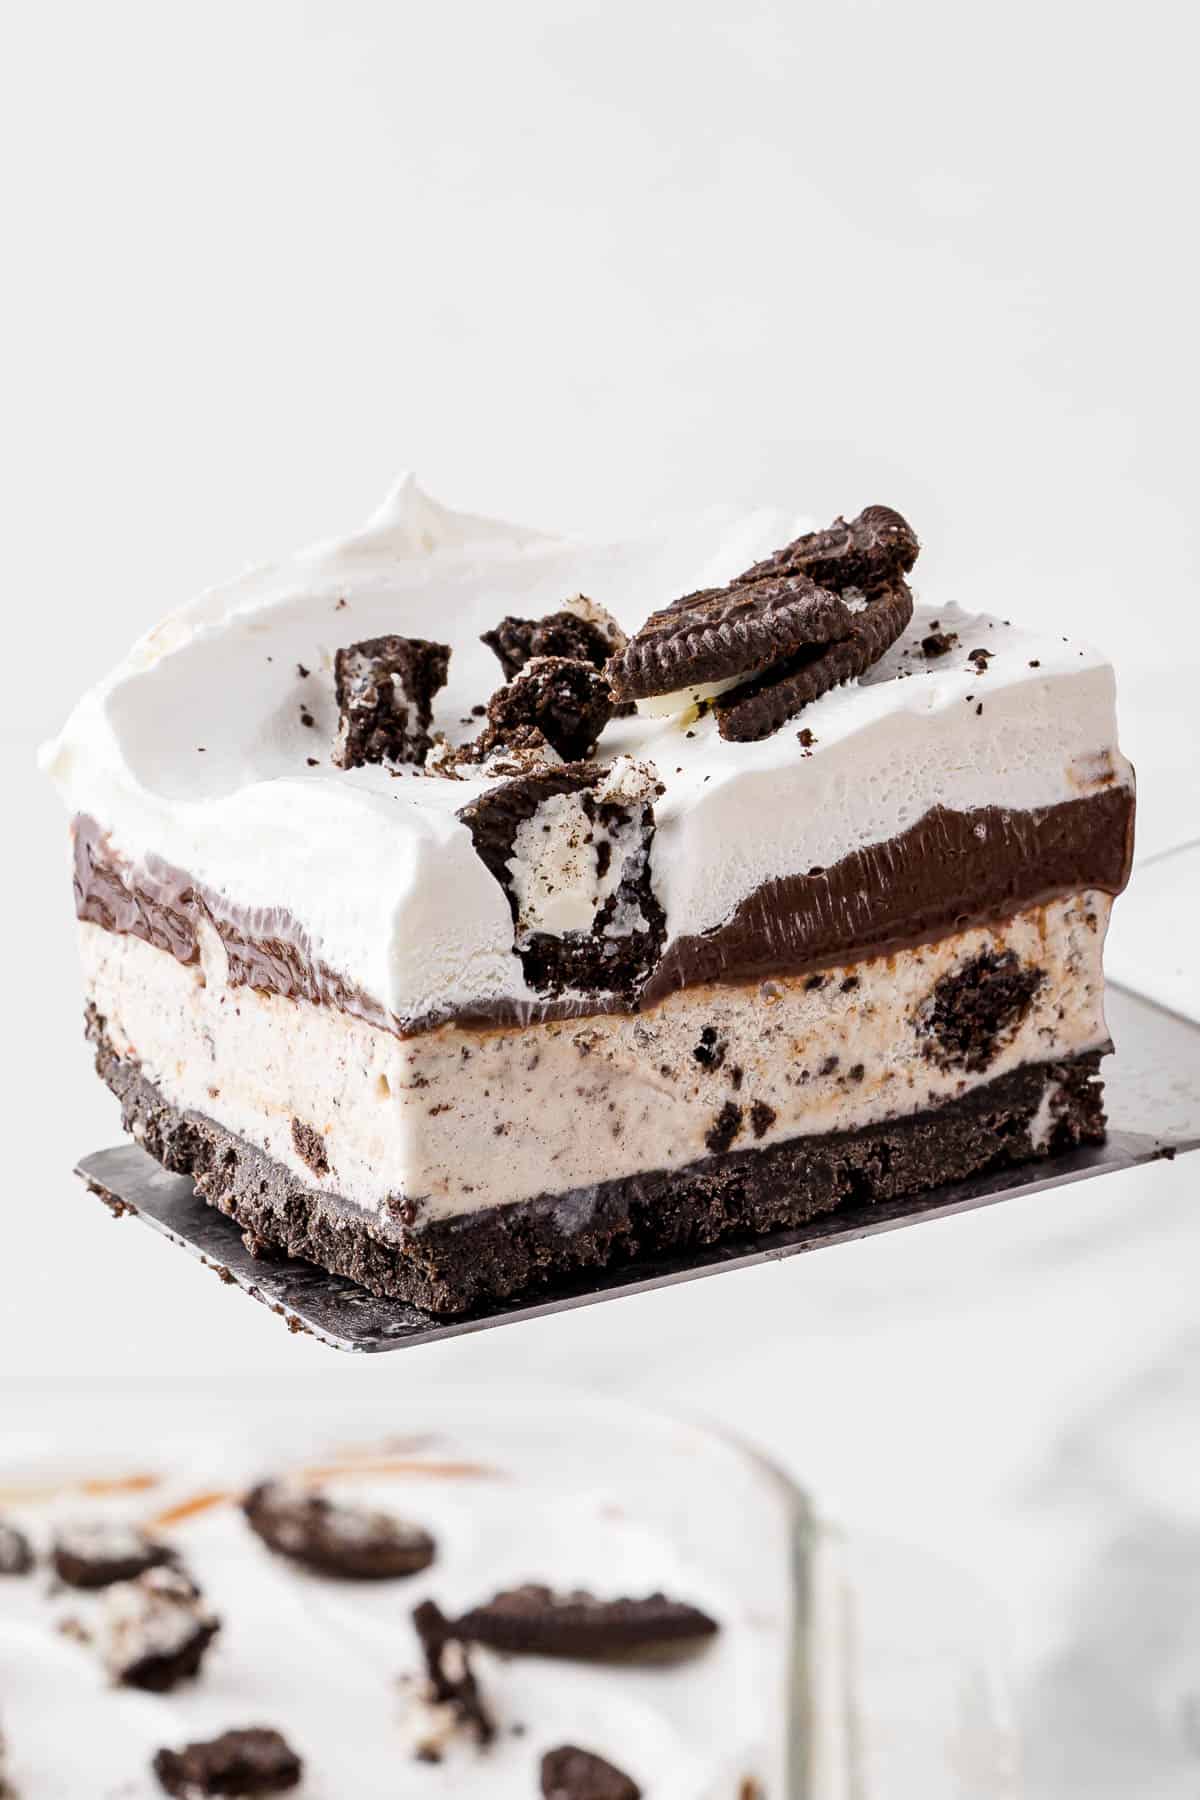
(537, 1621)
(580, 630)
(570, 846)
(975, 1009)
(569, 702)
(95, 1553)
(385, 688)
(760, 706)
(16, 1552)
(452, 1698)
(332, 1537)
(156, 1630)
(878, 547)
(238, 1763)
(722, 634)
(817, 613)
(569, 1773)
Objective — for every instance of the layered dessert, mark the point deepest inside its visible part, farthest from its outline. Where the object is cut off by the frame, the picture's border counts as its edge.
(464, 908)
(235, 1618)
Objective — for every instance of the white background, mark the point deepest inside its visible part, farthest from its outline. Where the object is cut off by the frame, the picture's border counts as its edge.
(577, 263)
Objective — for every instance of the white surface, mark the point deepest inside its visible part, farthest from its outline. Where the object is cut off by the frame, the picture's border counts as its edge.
(1152, 950)
(194, 748)
(590, 264)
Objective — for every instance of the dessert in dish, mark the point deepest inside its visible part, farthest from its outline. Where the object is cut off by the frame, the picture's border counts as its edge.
(322, 1682)
(465, 908)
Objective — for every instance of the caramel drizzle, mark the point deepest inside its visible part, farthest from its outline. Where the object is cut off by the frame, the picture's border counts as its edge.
(353, 1466)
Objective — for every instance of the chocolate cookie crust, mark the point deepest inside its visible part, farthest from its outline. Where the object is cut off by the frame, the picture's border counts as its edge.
(452, 1265)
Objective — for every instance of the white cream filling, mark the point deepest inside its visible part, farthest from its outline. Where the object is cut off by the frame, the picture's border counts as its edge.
(555, 872)
(682, 700)
(567, 862)
(467, 1119)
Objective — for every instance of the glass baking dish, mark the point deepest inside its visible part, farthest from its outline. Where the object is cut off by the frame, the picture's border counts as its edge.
(533, 1485)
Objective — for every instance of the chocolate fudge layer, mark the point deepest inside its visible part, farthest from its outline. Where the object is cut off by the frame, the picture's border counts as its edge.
(457, 1011)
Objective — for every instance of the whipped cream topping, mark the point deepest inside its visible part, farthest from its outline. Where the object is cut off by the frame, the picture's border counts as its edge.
(209, 745)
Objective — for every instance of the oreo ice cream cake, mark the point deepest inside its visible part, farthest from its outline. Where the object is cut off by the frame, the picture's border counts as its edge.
(455, 930)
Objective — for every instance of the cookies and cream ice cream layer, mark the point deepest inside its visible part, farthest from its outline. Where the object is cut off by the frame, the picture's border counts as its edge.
(458, 1120)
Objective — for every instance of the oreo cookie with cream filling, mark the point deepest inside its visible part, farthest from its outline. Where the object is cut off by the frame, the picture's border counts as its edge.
(721, 635)
(817, 613)
(570, 846)
(758, 707)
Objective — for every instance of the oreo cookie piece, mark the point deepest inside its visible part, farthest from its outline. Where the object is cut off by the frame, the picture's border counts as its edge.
(569, 702)
(452, 1700)
(241, 1763)
(521, 750)
(570, 846)
(720, 634)
(334, 1538)
(878, 547)
(817, 613)
(95, 1553)
(385, 688)
(534, 1620)
(758, 707)
(155, 1630)
(569, 1773)
(580, 630)
(16, 1552)
(975, 1009)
